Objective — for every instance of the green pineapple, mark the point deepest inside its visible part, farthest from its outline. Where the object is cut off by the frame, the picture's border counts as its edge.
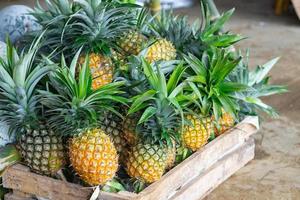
(41, 149)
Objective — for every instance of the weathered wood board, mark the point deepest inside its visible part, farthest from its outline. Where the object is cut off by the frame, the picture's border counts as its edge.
(296, 4)
(193, 179)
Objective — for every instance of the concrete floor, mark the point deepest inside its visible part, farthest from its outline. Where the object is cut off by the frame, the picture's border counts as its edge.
(274, 174)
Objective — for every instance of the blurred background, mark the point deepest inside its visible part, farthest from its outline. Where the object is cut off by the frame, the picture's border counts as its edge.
(273, 29)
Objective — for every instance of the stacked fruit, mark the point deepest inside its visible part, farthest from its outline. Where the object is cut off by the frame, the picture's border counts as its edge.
(110, 89)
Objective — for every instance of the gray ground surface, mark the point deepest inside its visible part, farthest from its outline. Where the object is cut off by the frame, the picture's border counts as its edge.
(274, 174)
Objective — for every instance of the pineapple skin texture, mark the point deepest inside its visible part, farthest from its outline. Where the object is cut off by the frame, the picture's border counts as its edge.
(111, 125)
(94, 157)
(162, 49)
(196, 135)
(42, 151)
(171, 156)
(146, 162)
(129, 134)
(132, 42)
(225, 122)
(101, 67)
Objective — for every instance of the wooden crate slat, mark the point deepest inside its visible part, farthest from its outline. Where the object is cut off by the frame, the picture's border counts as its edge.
(18, 178)
(202, 185)
(200, 161)
(296, 4)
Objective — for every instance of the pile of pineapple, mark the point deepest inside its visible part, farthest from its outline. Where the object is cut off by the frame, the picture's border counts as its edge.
(108, 91)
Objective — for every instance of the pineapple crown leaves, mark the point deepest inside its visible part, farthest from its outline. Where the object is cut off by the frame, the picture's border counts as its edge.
(159, 104)
(177, 30)
(99, 24)
(135, 78)
(19, 75)
(212, 34)
(258, 81)
(208, 81)
(57, 10)
(74, 105)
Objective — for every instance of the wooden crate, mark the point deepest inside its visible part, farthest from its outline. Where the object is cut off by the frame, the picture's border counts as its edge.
(193, 179)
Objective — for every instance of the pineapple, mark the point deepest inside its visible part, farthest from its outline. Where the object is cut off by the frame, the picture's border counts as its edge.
(101, 67)
(112, 125)
(215, 95)
(129, 129)
(94, 156)
(42, 150)
(177, 31)
(132, 42)
(161, 49)
(147, 162)
(157, 127)
(171, 155)
(93, 26)
(226, 121)
(40, 147)
(77, 110)
(196, 134)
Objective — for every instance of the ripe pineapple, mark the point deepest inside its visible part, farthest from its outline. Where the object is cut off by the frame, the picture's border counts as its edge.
(41, 149)
(196, 134)
(162, 49)
(102, 69)
(225, 122)
(147, 162)
(132, 42)
(94, 156)
(78, 111)
(157, 126)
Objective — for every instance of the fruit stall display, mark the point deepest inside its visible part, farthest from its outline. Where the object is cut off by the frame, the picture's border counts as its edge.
(108, 99)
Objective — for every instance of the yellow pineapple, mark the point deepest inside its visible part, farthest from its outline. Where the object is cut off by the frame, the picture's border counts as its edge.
(92, 152)
(196, 134)
(225, 122)
(162, 49)
(102, 69)
(94, 156)
(132, 42)
(146, 162)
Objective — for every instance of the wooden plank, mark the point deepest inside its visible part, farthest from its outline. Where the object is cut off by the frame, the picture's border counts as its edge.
(18, 178)
(12, 196)
(205, 183)
(296, 4)
(200, 161)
